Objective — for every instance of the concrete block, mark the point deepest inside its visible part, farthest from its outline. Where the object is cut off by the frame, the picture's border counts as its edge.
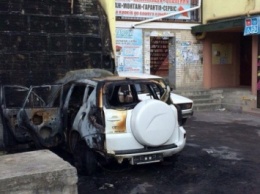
(36, 172)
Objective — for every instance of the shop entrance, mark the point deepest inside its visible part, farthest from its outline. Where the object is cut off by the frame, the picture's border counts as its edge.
(159, 56)
(246, 61)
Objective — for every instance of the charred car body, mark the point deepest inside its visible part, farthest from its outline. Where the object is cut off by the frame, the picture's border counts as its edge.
(97, 118)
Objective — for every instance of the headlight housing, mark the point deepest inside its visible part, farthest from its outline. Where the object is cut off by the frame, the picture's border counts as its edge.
(185, 106)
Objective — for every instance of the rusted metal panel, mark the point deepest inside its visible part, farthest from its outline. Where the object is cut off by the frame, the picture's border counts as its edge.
(43, 125)
(24, 123)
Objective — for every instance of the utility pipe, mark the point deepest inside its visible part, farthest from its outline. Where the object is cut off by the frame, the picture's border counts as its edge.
(169, 15)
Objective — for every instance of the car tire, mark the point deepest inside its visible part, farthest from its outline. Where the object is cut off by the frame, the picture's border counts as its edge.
(153, 122)
(84, 159)
(183, 121)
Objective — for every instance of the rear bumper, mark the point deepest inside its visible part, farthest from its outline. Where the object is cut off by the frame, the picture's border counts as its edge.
(145, 154)
(133, 155)
(166, 150)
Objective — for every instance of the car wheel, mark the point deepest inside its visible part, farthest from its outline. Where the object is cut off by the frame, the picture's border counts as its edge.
(153, 122)
(74, 138)
(183, 121)
(84, 159)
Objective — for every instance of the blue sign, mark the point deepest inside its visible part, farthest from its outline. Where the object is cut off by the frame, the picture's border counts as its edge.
(252, 26)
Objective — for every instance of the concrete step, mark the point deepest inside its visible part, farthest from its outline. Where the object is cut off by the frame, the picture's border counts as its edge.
(198, 96)
(254, 111)
(206, 106)
(198, 92)
(203, 99)
(206, 100)
(234, 99)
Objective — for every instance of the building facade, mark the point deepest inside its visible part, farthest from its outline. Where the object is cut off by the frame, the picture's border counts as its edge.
(231, 43)
(154, 37)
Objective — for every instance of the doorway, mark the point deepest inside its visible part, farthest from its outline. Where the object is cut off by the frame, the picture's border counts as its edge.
(246, 61)
(159, 56)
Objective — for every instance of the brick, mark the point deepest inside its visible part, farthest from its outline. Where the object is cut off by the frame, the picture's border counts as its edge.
(92, 44)
(39, 7)
(82, 25)
(4, 42)
(9, 22)
(47, 24)
(58, 61)
(75, 44)
(58, 43)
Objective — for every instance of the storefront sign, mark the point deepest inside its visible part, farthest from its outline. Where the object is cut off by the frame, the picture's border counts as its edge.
(129, 50)
(152, 8)
(252, 26)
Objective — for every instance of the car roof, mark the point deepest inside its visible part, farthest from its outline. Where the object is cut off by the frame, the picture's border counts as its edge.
(138, 75)
(82, 76)
(105, 79)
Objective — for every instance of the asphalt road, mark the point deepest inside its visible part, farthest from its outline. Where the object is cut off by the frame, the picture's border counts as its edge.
(222, 156)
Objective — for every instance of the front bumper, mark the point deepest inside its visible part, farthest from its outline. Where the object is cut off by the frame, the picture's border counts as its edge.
(187, 113)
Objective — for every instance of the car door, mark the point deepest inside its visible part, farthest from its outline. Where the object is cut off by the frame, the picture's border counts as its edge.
(42, 121)
(72, 104)
(12, 98)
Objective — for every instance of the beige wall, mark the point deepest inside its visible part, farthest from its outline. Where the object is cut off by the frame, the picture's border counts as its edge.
(186, 71)
(217, 9)
(109, 7)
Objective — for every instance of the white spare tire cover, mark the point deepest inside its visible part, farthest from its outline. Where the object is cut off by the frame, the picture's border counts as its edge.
(152, 122)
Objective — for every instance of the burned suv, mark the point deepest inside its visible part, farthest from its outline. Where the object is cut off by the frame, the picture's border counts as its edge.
(99, 118)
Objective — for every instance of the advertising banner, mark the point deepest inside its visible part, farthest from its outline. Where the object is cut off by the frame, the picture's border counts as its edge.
(129, 50)
(252, 26)
(152, 8)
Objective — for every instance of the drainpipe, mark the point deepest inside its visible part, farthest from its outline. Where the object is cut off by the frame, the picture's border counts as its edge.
(169, 15)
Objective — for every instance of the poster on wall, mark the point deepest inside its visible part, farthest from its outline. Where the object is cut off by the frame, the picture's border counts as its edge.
(129, 50)
(221, 53)
(152, 8)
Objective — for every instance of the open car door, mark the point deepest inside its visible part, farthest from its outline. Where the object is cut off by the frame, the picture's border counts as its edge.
(28, 117)
(41, 117)
(12, 98)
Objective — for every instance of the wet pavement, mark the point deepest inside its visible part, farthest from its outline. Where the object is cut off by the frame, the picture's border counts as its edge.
(222, 156)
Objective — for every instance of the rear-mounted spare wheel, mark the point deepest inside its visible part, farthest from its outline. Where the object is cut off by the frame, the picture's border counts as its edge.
(152, 122)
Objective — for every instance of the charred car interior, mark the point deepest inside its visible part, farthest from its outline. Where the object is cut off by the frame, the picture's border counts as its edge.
(120, 118)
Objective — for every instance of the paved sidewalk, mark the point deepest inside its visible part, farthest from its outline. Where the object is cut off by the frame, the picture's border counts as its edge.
(227, 117)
